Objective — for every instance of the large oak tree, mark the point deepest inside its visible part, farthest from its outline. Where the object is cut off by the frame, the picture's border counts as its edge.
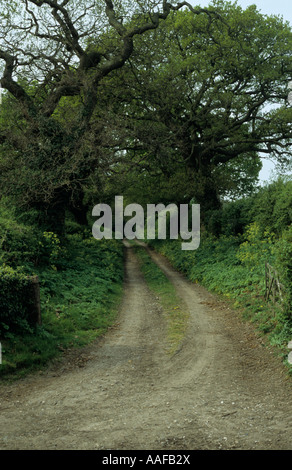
(45, 57)
(210, 97)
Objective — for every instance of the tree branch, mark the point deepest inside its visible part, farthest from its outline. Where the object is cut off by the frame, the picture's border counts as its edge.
(13, 87)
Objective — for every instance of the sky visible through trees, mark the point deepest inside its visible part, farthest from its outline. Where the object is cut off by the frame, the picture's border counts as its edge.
(232, 81)
(266, 7)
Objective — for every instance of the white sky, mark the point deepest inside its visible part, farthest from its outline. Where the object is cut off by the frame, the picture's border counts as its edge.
(266, 7)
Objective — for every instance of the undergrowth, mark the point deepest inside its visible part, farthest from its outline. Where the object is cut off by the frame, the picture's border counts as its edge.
(80, 293)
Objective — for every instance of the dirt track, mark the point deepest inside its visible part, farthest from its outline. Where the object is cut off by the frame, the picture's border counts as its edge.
(222, 390)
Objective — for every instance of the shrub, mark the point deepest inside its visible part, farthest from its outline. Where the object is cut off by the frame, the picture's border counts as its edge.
(272, 207)
(15, 300)
(26, 245)
(283, 253)
(49, 249)
(257, 248)
(18, 242)
(231, 220)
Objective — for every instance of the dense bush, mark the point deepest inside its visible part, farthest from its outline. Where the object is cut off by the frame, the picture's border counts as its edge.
(18, 242)
(15, 300)
(231, 219)
(272, 206)
(25, 244)
(283, 263)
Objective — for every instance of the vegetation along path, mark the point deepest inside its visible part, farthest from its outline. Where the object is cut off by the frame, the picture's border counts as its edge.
(220, 389)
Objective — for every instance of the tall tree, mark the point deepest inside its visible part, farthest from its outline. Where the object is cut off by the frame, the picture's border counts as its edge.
(211, 95)
(44, 59)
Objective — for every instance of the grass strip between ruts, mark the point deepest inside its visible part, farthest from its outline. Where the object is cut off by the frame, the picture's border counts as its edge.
(175, 312)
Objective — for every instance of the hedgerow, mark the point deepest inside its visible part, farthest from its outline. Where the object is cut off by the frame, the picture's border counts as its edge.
(80, 282)
(16, 300)
(230, 260)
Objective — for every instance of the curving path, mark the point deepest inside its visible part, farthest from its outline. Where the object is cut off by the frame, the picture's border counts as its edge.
(222, 390)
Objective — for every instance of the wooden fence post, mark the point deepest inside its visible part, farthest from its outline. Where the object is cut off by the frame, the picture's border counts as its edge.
(273, 285)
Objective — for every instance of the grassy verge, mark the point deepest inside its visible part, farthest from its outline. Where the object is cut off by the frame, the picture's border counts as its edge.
(175, 313)
(79, 301)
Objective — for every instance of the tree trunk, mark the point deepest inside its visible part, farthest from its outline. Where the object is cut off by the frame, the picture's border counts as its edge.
(80, 214)
(52, 215)
(205, 191)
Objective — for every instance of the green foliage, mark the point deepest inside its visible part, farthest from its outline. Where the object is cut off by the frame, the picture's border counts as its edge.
(50, 249)
(199, 100)
(231, 220)
(18, 241)
(257, 248)
(272, 206)
(79, 297)
(269, 207)
(25, 244)
(232, 263)
(15, 300)
(283, 255)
